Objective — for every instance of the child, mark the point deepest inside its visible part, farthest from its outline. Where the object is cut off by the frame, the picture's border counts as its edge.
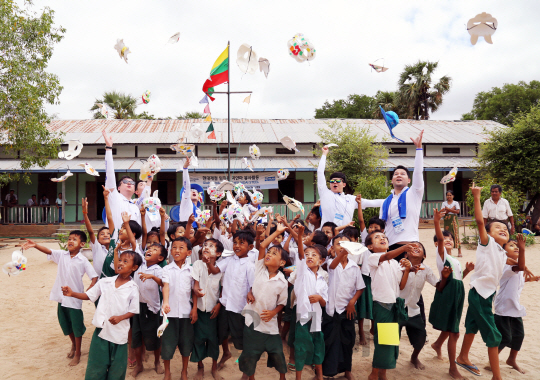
(177, 283)
(266, 299)
(490, 260)
(145, 324)
(311, 296)
(238, 276)
(72, 265)
(329, 229)
(99, 246)
(345, 288)
(313, 219)
(118, 302)
(412, 283)
(447, 307)
(386, 277)
(207, 288)
(155, 235)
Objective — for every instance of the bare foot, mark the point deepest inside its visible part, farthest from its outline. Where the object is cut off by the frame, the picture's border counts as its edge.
(137, 369)
(200, 374)
(512, 363)
(71, 353)
(226, 356)
(158, 367)
(349, 375)
(417, 364)
(438, 351)
(382, 376)
(454, 374)
(216, 375)
(75, 360)
(363, 341)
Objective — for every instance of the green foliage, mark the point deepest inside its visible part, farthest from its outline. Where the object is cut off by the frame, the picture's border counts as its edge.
(26, 46)
(145, 115)
(123, 105)
(416, 95)
(190, 115)
(504, 104)
(354, 107)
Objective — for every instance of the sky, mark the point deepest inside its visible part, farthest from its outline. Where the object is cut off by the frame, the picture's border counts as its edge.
(347, 35)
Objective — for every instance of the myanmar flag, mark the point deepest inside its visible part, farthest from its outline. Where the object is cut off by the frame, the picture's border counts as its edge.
(212, 134)
(219, 73)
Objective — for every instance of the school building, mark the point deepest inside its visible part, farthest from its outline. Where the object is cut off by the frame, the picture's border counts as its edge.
(446, 143)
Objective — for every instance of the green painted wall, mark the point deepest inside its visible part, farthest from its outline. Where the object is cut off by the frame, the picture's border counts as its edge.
(435, 189)
(309, 188)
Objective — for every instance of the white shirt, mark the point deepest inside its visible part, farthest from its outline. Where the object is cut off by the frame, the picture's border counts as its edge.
(457, 272)
(149, 289)
(507, 298)
(238, 277)
(451, 205)
(268, 293)
(308, 284)
(344, 283)
(114, 302)
(413, 288)
(59, 201)
(385, 278)
(70, 273)
(227, 242)
(338, 208)
(488, 269)
(30, 203)
(209, 283)
(44, 202)
(8, 197)
(117, 201)
(186, 205)
(365, 265)
(180, 284)
(99, 252)
(500, 210)
(414, 204)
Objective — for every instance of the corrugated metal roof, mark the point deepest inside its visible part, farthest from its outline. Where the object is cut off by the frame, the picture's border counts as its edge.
(266, 130)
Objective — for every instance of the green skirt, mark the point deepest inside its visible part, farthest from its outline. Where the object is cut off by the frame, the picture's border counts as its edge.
(385, 356)
(447, 307)
(364, 305)
(308, 346)
(292, 330)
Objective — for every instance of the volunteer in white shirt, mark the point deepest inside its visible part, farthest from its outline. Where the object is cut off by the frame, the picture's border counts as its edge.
(498, 208)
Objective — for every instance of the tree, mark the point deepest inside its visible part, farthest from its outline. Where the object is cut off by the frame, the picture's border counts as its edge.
(504, 104)
(26, 45)
(359, 157)
(387, 100)
(416, 96)
(354, 107)
(190, 115)
(123, 105)
(511, 157)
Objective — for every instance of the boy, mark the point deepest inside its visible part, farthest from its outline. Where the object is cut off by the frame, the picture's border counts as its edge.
(145, 324)
(99, 245)
(72, 265)
(266, 299)
(177, 283)
(207, 288)
(346, 286)
(329, 229)
(238, 276)
(488, 270)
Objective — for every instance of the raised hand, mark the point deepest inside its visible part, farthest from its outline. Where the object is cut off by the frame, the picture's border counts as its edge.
(405, 264)
(29, 244)
(187, 162)
(84, 203)
(191, 219)
(359, 200)
(143, 211)
(260, 229)
(125, 217)
(325, 150)
(281, 228)
(418, 141)
(475, 190)
(446, 272)
(108, 139)
(300, 231)
(106, 192)
(162, 211)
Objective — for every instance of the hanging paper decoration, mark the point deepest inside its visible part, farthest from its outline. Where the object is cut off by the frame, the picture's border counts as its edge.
(225, 186)
(122, 49)
(208, 118)
(106, 111)
(207, 109)
(246, 163)
(204, 100)
(183, 148)
(218, 75)
(247, 59)
(379, 69)
(293, 204)
(62, 178)
(391, 119)
(450, 177)
(282, 174)
(152, 205)
(289, 143)
(210, 129)
(484, 25)
(254, 152)
(89, 169)
(214, 194)
(16, 265)
(247, 100)
(74, 149)
(145, 98)
(301, 49)
(174, 38)
(264, 66)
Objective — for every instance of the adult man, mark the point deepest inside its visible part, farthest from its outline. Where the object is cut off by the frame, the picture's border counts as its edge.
(336, 206)
(44, 203)
(498, 208)
(32, 202)
(11, 201)
(121, 193)
(59, 207)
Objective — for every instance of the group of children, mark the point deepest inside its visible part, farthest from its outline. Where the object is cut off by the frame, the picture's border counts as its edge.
(254, 283)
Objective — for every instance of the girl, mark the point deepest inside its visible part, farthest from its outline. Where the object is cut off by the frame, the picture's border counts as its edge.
(451, 207)
(447, 306)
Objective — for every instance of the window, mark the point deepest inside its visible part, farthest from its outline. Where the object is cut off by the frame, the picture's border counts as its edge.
(101, 151)
(398, 150)
(223, 150)
(451, 150)
(285, 151)
(161, 151)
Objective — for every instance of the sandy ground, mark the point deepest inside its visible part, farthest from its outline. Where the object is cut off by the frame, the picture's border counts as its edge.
(33, 346)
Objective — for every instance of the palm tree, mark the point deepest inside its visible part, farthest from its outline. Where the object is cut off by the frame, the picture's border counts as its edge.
(122, 104)
(416, 95)
(387, 100)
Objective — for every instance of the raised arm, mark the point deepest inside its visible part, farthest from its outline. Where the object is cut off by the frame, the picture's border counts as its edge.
(110, 178)
(108, 211)
(360, 213)
(342, 253)
(162, 229)
(87, 223)
(396, 252)
(259, 232)
(299, 241)
(476, 191)
(418, 174)
(321, 179)
(131, 238)
(31, 244)
(144, 234)
(437, 215)
(521, 257)
(280, 228)
(186, 205)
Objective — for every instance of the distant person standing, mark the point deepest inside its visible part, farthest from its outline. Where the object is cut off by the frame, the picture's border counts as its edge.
(498, 208)
(32, 202)
(44, 203)
(451, 223)
(11, 201)
(59, 207)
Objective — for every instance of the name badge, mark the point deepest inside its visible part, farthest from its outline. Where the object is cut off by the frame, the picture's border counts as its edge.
(338, 219)
(397, 223)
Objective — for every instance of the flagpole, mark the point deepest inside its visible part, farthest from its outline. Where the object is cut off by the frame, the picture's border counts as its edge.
(229, 112)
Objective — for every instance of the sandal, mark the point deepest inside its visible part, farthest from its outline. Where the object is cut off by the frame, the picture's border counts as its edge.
(291, 366)
(132, 363)
(470, 368)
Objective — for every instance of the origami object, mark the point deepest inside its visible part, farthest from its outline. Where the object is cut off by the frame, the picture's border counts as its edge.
(246, 163)
(293, 204)
(353, 248)
(247, 99)
(122, 49)
(202, 216)
(289, 143)
(151, 167)
(247, 59)
(450, 177)
(225, 186)
(174, 38)
(183, 148)
(256, 197)
(214, 194)
(282, 174)
(74, 149)
(16, 265)
(106, 111)
(263, 211)
(145, 98)
(163, 326)
(62, 178)
(482, 24)
(391, 119)
(301, 49)
(264, 66)
(379, 69)
(152, 205)
(89, 169)
(196, 132)
(254, 152)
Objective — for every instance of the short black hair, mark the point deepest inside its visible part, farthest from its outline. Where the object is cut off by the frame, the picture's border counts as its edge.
(320, 238)
(381, 223)
(449, 191)
(135, 228)
(171, 230)
(316, 211)
(123, 178)
(339, 175)
(401, 167)
(330, 224)
(282, 251)
(351, 232)
(244, 235)
(102, 229)
(369, 238)
(137, 260)
(490, 224)
(152, 233)
(423, 248)
(323, 253)
(184, 240)
(219, 245)
(340, 236)
(34, 195)
(444, 233)
(496, 187)
(163, 251)
(80, 234)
